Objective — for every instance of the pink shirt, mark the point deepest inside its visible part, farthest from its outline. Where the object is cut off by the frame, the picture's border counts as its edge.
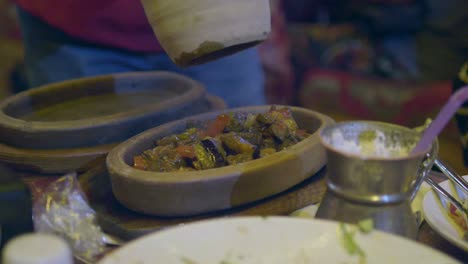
(115, 23)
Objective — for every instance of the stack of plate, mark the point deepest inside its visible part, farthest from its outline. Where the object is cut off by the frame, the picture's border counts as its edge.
(66, 126)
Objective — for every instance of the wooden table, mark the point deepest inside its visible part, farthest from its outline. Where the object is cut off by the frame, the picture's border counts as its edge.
(430, 238)
(427, 235)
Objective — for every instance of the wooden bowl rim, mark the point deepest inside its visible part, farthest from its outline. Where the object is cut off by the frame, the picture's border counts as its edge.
(196, 91)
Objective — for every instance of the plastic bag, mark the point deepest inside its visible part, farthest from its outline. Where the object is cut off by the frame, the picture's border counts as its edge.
(62, 209)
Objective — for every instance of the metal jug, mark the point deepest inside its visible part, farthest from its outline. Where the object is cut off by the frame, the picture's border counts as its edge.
(376, 187)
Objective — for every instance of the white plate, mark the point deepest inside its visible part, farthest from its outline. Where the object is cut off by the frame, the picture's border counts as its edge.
(437, 217)
(272, 240)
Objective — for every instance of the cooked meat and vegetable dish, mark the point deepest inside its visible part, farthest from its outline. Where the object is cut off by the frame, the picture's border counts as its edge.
(231, 138)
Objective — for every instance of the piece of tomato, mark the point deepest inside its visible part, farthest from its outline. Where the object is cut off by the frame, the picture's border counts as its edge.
(452, 209)
(140, 163)
(217, 126)
(186, 151)
(457, 217)
(301, 132)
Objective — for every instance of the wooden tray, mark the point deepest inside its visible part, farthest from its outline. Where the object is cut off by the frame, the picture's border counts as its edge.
(46, 161)
(53, 161)
(123, 223)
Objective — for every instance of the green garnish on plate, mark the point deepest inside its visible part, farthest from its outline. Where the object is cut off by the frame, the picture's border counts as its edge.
(348, 241)
(366, 225)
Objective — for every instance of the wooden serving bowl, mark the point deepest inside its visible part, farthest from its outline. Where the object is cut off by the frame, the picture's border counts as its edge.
(99, 110)
(53, 161)
(197, 31)
(196, 192)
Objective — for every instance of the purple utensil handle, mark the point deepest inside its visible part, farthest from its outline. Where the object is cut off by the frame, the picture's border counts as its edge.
(444, 116)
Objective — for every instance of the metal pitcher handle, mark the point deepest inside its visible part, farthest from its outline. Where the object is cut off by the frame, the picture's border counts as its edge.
(425, 168)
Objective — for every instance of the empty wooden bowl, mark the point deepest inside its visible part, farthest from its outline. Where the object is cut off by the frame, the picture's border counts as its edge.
(53, 161)
(98, 110)
(195, 192)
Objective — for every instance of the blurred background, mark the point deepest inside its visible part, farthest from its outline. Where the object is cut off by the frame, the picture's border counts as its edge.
(387, 60)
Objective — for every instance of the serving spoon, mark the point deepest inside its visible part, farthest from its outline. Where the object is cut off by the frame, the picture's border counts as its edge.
(445, 115)
(435, 127)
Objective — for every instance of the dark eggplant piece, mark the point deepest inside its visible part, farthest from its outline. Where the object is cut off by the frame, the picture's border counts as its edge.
(271, 116)
(239, 137)
(281, 123)
(216, 150)
(284, 128)
(236, 123)
(266, 119)
(236, 143)
(204, 160)
(256, 154)
(252, 137)
(250, 122)
(269, 143)
(189, 135)
(280, 130)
